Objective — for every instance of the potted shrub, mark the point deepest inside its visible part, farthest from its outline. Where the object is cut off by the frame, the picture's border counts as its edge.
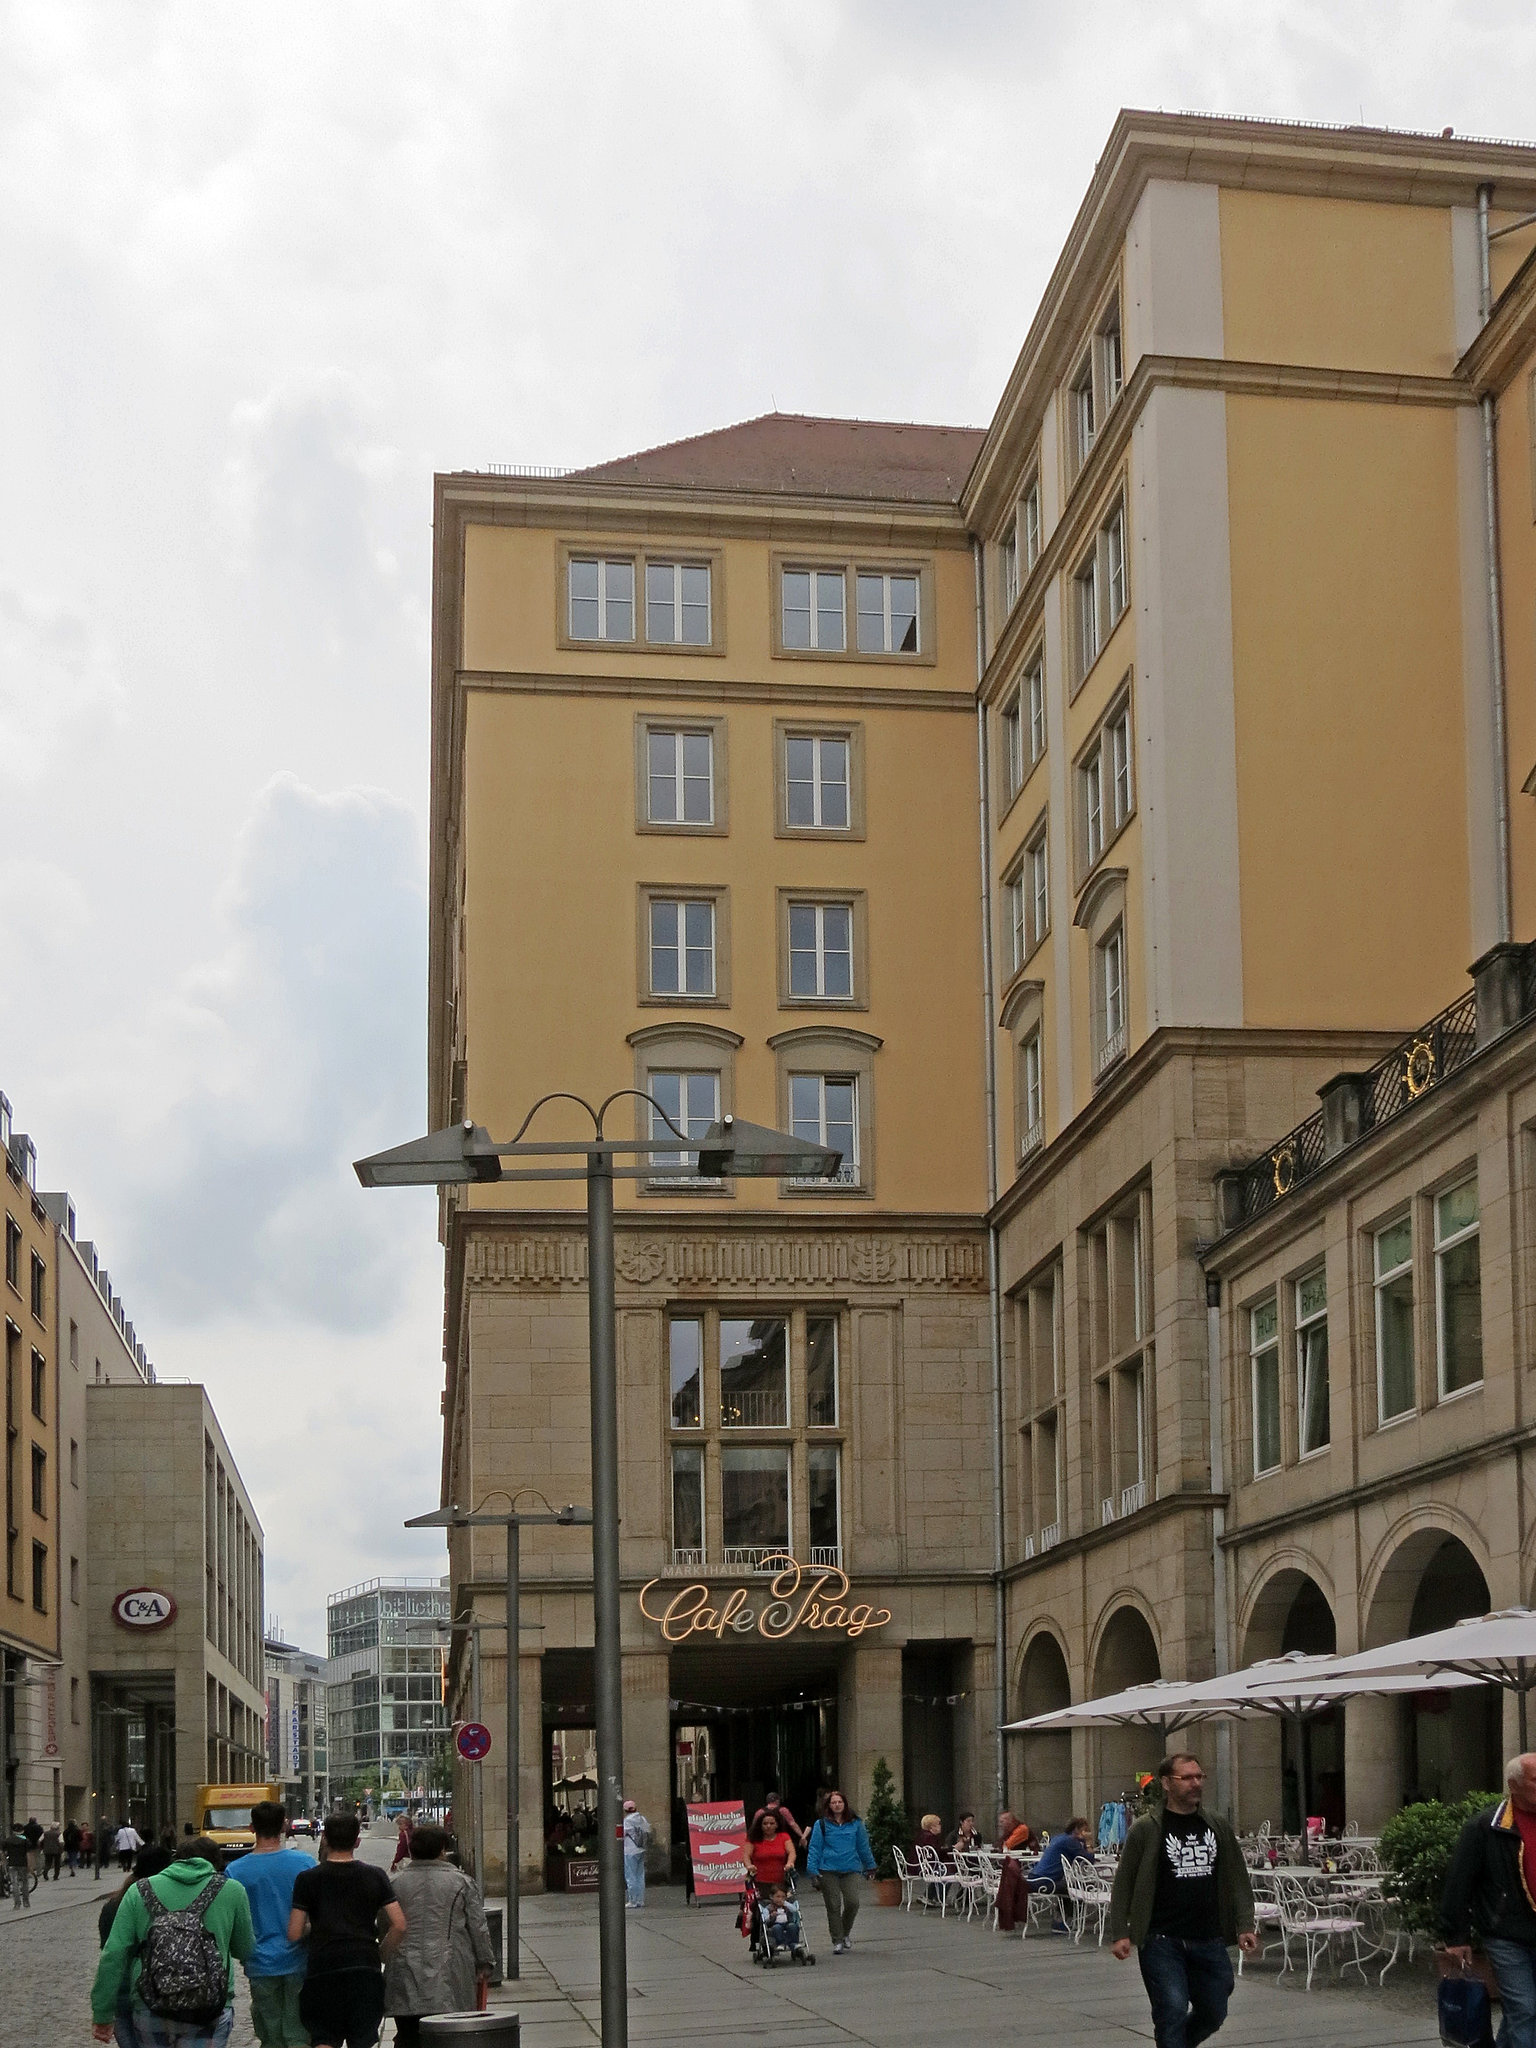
(1416, 1846)
(885, 1822)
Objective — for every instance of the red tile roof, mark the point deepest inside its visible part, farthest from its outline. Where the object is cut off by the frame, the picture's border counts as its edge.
(795, 454)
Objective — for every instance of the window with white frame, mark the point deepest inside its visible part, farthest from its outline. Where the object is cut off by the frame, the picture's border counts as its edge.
(824, 1108)
(602, 598)
(814, 613)
(1086, 608)
(679, 776)
(1011, 723)
(1114, 545)
(1030, 505)
(1100, 590)
(1110, 963)
(754, 1502)
(1008, 568)
(685, 1344)
(821, 1410)
(1105, 787)
(1264, 1368)
(1396, 1389)
(824, 1472)
(1081, 418)
(1032, 1092)
(1037, 865)
(682, 946)
(677, 609)
(1033, 696)
(887, 612)
(816, 781)
(1014, 910)
(686, 1102)
(1458, 1289)
(821, 951)
(1312, 1362)
(688, 1505)
(1027, 900)
(1110, 355)
(754, 1372)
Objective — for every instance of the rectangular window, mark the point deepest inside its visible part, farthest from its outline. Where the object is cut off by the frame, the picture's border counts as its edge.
(825, 1474)
(74, 1580)
(814, 616)
(676, 604)
(74, 1345)
(39, 1481)
(1012, 724)
(1105, 789)
(602, 599)
(1112, 996)
(692, 1103)
(1111, 355)
(1018, 925)
(688, 1504)
(1030, 1082)
(682, 947)
(887, 608)
(1034, 692)
(1458, 1289)
(1312, 1362)
(39, 1288)
(821, 1372)
(13, 1252)
(754, 1373)
(40, 1577)
(1264, 1357)
(821, 951)
(754, 1502)
(824, 1109)
(1093, 805)
(39, 1386)
(1396, 1393)
(685, 1343)
(1008, 568)
(1081, 419)
(816, 782)
(74, 1463)
(1114, 556)
(1085, 592)
(1037, 865)
(1031, 523)
(74, 1702)
(1120, 768)
(680, 777)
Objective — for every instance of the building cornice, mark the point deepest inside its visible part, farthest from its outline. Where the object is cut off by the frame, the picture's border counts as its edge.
(692, 689)
(1507, 338)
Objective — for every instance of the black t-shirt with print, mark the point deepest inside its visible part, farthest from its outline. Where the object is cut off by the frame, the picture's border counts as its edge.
(1185, 1906)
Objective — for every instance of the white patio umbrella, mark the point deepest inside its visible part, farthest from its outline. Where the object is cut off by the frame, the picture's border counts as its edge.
(1494, 1649)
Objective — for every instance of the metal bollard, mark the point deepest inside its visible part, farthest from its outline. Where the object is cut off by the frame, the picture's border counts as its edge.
(472, 2029)
(494, 1919)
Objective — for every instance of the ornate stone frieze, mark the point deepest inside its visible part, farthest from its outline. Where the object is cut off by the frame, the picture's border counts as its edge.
(750, 1262)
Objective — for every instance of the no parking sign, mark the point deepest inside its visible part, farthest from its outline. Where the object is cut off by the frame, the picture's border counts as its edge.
(474, 1741)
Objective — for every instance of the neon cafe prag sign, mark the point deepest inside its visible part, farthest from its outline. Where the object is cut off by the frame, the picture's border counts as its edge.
(814, 1599)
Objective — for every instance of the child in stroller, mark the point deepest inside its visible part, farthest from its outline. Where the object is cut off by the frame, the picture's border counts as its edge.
(776, 1925)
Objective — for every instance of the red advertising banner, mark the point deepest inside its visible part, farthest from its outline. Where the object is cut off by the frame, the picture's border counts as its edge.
(717, 1843)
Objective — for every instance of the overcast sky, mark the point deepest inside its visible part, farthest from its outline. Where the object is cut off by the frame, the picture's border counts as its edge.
(263, 269)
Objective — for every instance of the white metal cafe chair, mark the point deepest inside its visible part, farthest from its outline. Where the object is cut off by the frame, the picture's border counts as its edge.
(1088, 1897)
(936, 1877)
(972, 1872)
(1318, 1923)
(911, 1878)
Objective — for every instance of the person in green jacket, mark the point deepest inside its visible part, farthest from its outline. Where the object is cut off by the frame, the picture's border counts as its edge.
(228, 1920)
(1181, 1897)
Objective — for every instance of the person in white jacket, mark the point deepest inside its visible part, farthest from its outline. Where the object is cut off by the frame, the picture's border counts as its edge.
(637, 1836)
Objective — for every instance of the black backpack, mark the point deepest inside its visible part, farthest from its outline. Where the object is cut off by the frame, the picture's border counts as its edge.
(183, 1975)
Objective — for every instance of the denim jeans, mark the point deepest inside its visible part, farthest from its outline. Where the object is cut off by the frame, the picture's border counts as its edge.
(152, 2032)
(1514, 1967)
(1188, 1984)
(634, 1876)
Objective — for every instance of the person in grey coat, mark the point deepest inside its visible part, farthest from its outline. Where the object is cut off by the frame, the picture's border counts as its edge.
(446, 1958)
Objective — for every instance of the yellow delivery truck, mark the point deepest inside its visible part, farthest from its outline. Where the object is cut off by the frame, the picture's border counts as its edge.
(224, 1813)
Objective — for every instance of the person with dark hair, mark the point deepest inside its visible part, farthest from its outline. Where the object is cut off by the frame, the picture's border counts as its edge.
(148, 1863)
(963, 1835)
(1181, 1897)
(445, 1961)
(274, 1969)
(74, 1838)
(773, 1804)
(337, 1905)
(1068, 1845)
(770, 1850)
(127, 1842)
(205, 1916)
(16, 1857)
(839, 1850)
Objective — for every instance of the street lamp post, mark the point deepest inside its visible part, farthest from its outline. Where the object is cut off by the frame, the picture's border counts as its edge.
(513, 1521)
(466, 1153)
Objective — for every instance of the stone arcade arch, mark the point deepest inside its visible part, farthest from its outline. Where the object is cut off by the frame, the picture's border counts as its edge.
(1040, 1784)
(1276, 1758)
(1126, 1656)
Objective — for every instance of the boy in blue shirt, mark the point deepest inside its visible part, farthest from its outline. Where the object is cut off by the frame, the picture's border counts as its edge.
(275, 1966)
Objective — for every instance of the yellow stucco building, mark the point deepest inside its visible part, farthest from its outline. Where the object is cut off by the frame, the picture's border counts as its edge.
(1040, 815)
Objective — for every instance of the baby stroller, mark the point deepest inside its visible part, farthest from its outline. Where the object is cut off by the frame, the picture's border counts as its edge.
(776, 1932)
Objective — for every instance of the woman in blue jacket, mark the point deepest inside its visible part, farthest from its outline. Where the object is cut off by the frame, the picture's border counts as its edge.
(838, 1855)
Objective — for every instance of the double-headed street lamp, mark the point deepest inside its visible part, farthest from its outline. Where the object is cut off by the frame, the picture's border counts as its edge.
(729, 1150)
(513, 1521)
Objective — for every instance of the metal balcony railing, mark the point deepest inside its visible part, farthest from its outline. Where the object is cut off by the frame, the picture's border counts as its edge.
(1133, 1497)
(1050, 1535)
(1111, 1050)
(754, 1408)
(1034, 1137)
(755, 1557)
(846, 1176)
(1106, 1511)
(826, 1557)
(687, 1560)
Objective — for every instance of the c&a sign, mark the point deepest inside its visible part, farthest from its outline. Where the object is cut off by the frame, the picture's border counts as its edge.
(144, 1607)
(814, 1599)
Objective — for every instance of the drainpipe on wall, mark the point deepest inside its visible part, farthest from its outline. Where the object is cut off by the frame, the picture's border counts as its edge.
(1219, 1620)
(994, 1277)
(1495, 596)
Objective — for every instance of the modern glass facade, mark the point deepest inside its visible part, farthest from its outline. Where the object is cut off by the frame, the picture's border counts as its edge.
(384, 1695)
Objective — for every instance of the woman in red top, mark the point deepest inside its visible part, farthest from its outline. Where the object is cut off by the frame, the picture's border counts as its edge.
(770, 1852)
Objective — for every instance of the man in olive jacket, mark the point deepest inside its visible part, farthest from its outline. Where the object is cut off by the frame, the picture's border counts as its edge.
(1491, 1886)
(1181, 1897)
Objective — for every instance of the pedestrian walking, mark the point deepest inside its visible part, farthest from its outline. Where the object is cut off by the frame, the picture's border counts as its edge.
(16, 1859)
(34, 1834)
(175, 1941)
(126, 1844)
(837, 1854)
(274, 1968)
(1489, 1888)
(148, 1863)
(337, 1906)
(444, 1963)
(53, 1851)
(1181, 1897)
(74, 1839)
(636, 1830)
(402, 1843)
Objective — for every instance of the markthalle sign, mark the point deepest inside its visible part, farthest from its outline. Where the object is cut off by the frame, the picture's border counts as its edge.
(814, 1598)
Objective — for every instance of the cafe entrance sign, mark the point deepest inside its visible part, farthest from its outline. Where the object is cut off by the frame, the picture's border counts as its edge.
(814, 1598)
